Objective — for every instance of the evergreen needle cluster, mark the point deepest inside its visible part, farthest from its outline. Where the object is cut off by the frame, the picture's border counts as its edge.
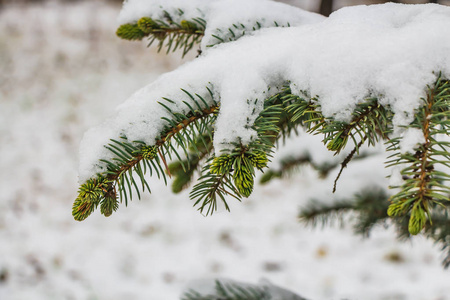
(183, 35)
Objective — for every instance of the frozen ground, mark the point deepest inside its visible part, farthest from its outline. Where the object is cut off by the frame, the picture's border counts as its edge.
(63, 71)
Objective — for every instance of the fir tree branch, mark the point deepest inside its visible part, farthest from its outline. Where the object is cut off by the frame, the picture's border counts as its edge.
(303, 110)
(139, 157)
(370, 120)
(425, 186)
(212, 186)
(170, 132)
(183, 129)
(183, 35)
(176, 32)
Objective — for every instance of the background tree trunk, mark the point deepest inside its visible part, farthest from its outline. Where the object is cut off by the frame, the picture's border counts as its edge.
(326, 7)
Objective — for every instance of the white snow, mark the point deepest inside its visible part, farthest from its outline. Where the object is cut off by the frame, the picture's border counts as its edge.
(395, 178)
(59, 80)
(391, 51)
(411, 138)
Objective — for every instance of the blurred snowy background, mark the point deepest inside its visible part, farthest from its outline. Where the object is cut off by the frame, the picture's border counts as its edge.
(63, 70)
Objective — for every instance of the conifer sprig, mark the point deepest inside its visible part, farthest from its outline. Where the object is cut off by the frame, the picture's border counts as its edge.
(369, 121)
(426, 170)
(192, 133)
(184, 35)
(304, 110)
(138, 158)
(212, 187)
(233, 173)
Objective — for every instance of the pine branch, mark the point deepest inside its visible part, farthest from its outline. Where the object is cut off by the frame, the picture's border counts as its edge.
(139, 158)
(182, 130)
(183, 35)
(303, 110)
(370, 120)
(211, 188)
(168, 25)
(229, 174)
(421, 205)
(425, 185)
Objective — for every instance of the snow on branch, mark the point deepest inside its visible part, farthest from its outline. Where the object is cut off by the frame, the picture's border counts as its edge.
(359, 75)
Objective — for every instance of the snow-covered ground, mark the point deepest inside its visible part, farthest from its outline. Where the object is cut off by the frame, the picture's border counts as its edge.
(63, 71)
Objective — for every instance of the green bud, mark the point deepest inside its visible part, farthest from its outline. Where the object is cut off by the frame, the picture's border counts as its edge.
(188, 26)
(417, 220)
(243, 179)
(89, 196)
(337, 143)
(130, 32)
(82, 208)
(396, 209)
(147, 25)
(258, 159)
(109, 205)
(149, 152)
(221, 164)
